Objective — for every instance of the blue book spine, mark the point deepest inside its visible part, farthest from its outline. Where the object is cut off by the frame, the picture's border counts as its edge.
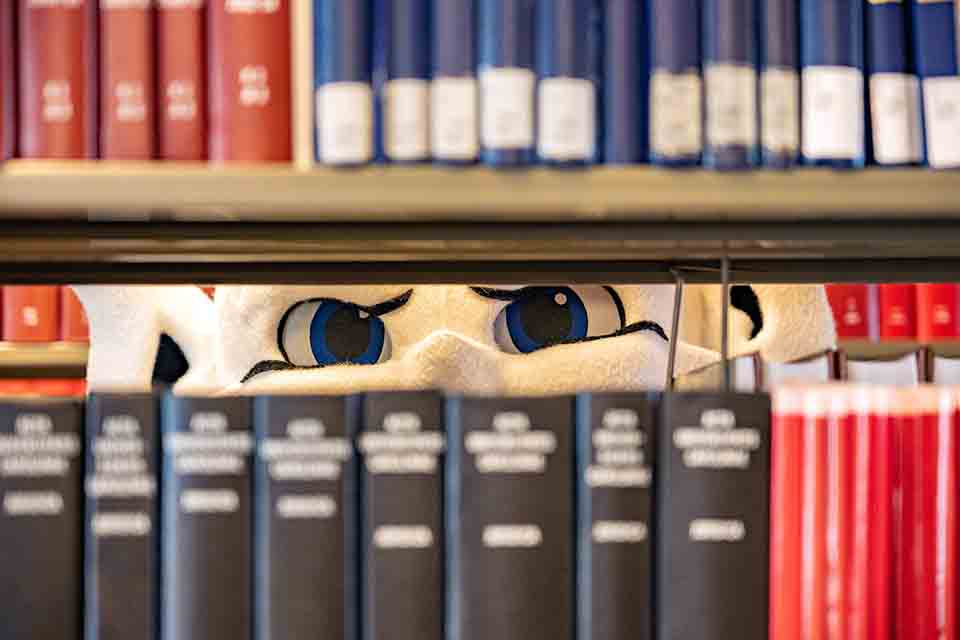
(730, 84)
(454, 134)
(832, 120)
(625, 80)
(893, 87)
(779, 83)
(935, 26)
(507, 81)
(676, 88)
(566, 94)
(344, 96)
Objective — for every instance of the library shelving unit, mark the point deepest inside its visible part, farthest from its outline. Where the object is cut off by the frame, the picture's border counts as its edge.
(43, 360)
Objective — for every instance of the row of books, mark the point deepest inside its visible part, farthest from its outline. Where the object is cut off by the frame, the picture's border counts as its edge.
(890, 312)
(731, 84)
(865, 503)
(42, 314)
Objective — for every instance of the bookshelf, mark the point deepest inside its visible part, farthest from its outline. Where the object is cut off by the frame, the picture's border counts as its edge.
(43, 360)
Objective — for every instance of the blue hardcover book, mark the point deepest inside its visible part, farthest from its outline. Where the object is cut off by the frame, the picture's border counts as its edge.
(401, 79)
(893, 87)
(566, 94)
(676, 102)
(507, 81)
(625, 61)
(730, 84)
(454, 126)
(779, 83)
(344, 96)
(832, 83)
(935, 27)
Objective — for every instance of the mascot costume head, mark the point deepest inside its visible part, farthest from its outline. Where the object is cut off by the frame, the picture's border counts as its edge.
(480, 339)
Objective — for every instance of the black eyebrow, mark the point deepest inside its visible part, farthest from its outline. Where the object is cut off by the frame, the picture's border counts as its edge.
(503, 295)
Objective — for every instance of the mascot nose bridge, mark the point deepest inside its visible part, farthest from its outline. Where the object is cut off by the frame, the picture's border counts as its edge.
(449, 361)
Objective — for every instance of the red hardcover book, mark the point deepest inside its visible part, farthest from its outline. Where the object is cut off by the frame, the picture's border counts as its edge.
(30, 314)
(937, 312)
(898, 311)
(854, 309)
(840, 464)
(813, 530)
(250, 108)
(182, 80)
(57, 74)
(127, 104)
(73, 319)
(7, 80)
(877, 471)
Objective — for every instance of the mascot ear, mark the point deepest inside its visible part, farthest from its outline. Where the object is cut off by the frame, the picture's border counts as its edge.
(126, 323)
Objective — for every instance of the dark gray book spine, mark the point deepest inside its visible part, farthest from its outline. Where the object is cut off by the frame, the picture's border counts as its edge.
(713, 487)
(306, 522)
(121, 521)
(510, 519)
(206, 519)
(615, 448)
(41, 517)
(402, 445)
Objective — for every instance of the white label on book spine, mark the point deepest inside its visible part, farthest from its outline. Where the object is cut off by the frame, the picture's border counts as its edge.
(895, 115)
(345, 122)
(941, 103)
(676, 112)
(407, 117)
(453, 118)
(780, 110)
(568, 112)
(507, 108)
(731, 105)
(832, 112)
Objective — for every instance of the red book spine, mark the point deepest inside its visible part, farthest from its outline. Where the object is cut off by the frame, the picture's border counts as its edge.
(182, 80)
(7, 80)
(73, 319)
(786, 500)
(854, 311)
(937, 312)
(840, 521)
(250, 109)
(30, 314)
(879, 444)
(127, 122)
(898, 311)
(813, 528)
(57, 98)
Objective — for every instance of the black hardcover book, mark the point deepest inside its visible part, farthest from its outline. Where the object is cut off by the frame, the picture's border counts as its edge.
(306, 524)
(41, 519)
(206, 518)
(712, 538)
(510, 519)
(615, 461)
(402, 445)
(121, 533)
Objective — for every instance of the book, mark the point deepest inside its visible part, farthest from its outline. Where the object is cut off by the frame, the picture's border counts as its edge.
(625, 82)
(730, 84)
(896, 367)
(676, 103)
(73, 320)
(943, 363)
(937, 309)
(935, 49)
(831, 55)
(402, 444)
(454, 117)
(615, 462)
(8, 79)
(713, 516)
(31, 313)
(566, 95)
(41, 488)
(121, 526)
(402, 45)
(855, 310)
(181, 59)
(250, 85)
(509, 517)
(344, 95)
(779, 83)
(306, 497)
(127, 83)
(301, 77)
(206, 516)
(893, 86)
(898, 311)
(57, 102)
(505, 45)
(818, 368)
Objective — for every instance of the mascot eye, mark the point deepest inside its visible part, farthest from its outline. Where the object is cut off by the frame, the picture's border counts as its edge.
(319, 333)
(540, 317)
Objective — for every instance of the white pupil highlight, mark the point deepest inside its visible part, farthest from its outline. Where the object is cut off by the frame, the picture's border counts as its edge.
(560, 299)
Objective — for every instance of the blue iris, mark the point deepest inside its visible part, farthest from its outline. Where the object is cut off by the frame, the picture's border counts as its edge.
(545, 316)
(341, 332)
